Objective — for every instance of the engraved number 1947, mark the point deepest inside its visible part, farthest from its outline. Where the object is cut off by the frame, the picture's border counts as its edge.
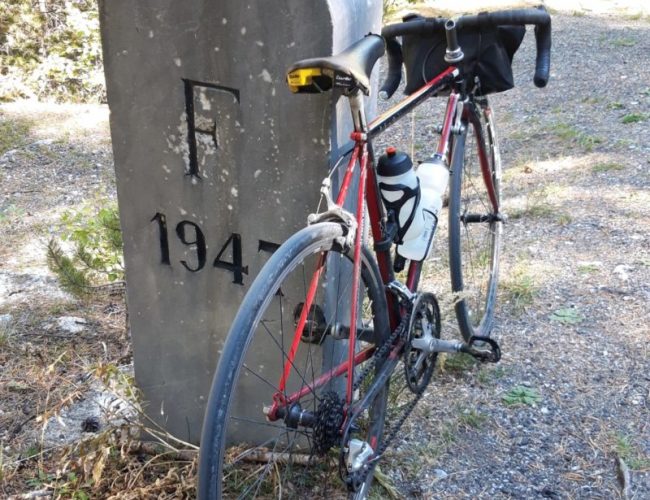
(190, 234)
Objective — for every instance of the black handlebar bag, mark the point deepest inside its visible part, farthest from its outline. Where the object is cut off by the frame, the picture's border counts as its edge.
(488, 54)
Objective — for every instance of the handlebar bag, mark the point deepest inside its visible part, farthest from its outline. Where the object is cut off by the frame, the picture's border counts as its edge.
(488, 55)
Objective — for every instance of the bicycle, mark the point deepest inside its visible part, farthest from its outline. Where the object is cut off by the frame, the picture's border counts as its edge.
(330, 351)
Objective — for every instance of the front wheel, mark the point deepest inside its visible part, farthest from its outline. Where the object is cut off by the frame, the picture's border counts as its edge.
(475, 224)
(272, 428)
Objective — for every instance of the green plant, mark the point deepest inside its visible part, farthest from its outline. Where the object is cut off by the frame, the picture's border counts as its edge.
(97, 256)
(564, 219)
(636, 16)
(488, 376)
(615, 105)
(32, 451)
(567, 316)
(521, 395)
(520, 287)
(624, 42)
(391, 6)
(50, 48)
(472, 419)
(588, 267)
(606, 167)
(11, 212)
(572, 135)
(4, 339)
(634, 118)
(5, 333)
(532, 209)
(565, 131)
(448, 436)
(457, 363)
(628, 450)
(587, 142)
(539, 204)
(13, 134)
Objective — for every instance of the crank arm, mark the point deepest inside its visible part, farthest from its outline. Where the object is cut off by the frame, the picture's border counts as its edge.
(492, 353)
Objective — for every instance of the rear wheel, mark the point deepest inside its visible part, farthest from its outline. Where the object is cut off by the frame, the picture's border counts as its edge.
(294, 453)
(475, 225)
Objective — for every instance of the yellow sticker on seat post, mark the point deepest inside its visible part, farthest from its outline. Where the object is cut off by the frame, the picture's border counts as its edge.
(301, 77)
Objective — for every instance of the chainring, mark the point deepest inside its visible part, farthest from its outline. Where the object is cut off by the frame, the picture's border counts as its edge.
(329, 419)
(419, 361)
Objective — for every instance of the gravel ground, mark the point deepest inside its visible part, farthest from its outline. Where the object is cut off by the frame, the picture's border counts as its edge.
(576, 187)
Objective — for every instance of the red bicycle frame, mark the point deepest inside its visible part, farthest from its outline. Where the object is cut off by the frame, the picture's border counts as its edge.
(368, 191)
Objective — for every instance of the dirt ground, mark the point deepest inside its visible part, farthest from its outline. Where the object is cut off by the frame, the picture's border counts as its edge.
(573, 319)
(563, 415)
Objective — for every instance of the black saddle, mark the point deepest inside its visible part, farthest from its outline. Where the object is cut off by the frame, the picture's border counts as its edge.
(349, 70)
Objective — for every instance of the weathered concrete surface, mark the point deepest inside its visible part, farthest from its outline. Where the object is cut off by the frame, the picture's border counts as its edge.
(211, 148)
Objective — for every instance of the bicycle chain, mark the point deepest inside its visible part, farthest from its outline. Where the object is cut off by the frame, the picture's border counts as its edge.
(383, 351)
(359, 477)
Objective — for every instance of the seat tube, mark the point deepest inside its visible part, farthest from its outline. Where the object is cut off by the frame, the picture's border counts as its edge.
(358, 111)
(359, 136)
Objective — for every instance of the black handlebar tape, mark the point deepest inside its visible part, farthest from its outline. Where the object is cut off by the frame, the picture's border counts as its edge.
(423, 27)
(543, 62)
(542, 21)
(538, 16)
(394, 73)
(505, 17)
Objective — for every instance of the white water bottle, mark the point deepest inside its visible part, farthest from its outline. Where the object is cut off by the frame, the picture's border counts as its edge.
(400, 191)
(434, 176)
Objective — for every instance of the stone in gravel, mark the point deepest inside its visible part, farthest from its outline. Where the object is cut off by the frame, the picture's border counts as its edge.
(100, 408)
(43, 142)
(621, 271)
(71, 324)
(439, 474)
(6, 320)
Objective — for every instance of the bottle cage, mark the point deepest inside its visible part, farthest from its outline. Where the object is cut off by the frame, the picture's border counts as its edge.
(397, 205)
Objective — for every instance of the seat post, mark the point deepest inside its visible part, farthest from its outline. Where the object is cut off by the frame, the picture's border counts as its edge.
(358, 112)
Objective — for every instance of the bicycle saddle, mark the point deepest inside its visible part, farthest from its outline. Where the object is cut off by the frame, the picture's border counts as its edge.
(349, 69)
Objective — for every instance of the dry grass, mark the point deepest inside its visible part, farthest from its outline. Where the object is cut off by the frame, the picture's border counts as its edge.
(45, 373)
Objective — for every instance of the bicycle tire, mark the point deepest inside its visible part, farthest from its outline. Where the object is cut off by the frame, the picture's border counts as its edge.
(249, 331)
(474, 246)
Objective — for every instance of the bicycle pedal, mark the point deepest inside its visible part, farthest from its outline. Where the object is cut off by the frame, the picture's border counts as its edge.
(490, 355)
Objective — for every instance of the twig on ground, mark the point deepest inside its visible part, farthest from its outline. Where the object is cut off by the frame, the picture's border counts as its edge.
(624, 477)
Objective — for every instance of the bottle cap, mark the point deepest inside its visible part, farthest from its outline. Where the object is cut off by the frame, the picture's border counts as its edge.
(393, 163)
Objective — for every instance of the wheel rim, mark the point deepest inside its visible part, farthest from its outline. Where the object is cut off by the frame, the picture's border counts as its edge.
(479, 241)
(280, 460)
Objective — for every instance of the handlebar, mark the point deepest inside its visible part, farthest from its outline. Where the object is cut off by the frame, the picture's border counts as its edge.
(425, 27)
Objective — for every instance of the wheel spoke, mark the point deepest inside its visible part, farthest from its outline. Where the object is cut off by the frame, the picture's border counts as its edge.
(261, 363)
(473, 227)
